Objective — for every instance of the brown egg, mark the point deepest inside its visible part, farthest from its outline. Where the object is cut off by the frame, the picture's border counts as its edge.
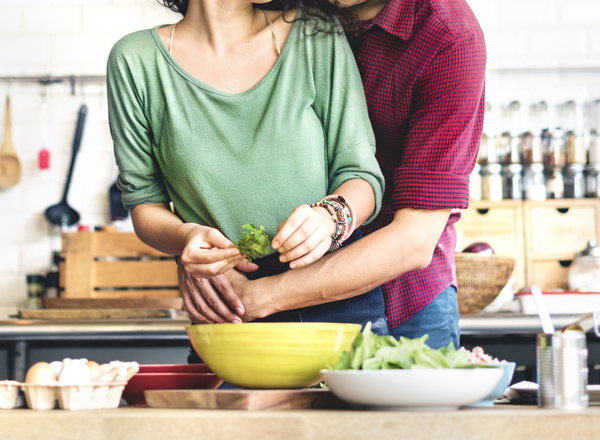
(95, 369)
(41, 373)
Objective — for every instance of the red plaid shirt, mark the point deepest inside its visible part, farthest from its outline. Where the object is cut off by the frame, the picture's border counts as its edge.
(423, 68)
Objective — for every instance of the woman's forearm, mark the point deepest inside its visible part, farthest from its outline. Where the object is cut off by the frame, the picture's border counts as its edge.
(157, 226)
(405, 244)
(360, 195)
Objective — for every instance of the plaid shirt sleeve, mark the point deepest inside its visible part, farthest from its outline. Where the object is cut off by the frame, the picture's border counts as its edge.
(440, 147)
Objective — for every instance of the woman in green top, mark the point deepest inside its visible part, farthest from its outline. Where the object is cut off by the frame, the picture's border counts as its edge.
(237, 115)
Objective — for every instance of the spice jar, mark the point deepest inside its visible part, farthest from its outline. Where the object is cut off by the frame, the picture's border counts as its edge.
(594, 148)
(555, 149)
(575, 147)
(513, 181)
(491, 182)
(584, 273)
(534, 182)
(555, 185)
(532, 147)
(475, 192)
(36, 289)
(593, 180)
(574, 181)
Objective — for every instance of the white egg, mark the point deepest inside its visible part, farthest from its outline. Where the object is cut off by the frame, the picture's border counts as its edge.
(56, 366)
(75, 372)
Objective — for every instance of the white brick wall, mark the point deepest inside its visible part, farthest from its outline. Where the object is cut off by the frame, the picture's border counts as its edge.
(73, 37)
(57, 37)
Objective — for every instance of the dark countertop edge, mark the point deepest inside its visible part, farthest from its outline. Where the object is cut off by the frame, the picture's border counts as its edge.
(483, 323)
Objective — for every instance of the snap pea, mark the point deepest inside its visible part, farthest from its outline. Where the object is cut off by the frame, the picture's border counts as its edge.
(372, 352)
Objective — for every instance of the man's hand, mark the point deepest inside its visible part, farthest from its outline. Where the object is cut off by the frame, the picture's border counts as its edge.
(212, 300)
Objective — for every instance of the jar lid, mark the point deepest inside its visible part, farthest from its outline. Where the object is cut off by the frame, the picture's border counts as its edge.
(591, 250)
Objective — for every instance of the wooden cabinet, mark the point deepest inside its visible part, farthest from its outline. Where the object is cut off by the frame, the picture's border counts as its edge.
(543, 237)
(500, 225)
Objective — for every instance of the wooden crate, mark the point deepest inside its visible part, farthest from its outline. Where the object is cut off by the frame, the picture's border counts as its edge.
(115, 265)
(500, 225)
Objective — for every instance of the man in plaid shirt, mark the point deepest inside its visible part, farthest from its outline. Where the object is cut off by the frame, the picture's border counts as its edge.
(423, 69)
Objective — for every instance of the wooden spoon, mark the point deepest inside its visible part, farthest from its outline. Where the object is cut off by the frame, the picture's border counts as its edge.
(10, 167)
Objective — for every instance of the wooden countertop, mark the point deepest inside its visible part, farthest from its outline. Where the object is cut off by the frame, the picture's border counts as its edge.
(501, 422)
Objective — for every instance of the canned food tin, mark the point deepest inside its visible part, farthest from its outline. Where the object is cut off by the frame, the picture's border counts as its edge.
(561, 367)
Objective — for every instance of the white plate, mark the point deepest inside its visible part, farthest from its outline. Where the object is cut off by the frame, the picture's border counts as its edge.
(532, 387)
(413, 389)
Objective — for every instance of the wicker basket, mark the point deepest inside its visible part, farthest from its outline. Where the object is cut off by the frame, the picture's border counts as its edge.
(480, 279)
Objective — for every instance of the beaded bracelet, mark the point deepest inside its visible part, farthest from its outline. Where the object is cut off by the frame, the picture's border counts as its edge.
(342, 215)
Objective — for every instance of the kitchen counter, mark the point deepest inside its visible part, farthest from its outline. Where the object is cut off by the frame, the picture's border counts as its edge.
(501, 323)
(501, 422)
(499, 334)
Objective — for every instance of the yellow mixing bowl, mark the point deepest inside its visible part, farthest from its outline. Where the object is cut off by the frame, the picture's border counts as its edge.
(269, 354)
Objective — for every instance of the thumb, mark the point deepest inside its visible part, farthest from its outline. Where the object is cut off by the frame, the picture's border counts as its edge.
(247, 266)
(215, 238)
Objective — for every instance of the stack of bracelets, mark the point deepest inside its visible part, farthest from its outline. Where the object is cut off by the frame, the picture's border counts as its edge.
(342, 215)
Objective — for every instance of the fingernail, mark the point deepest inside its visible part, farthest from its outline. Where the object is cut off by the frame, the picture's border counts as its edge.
(239, 310)
(293, 265)
(283, 258)
(275, 244)
(236, 321)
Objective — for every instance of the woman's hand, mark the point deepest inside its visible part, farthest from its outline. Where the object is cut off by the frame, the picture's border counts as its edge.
(208, 253)
(305, 236)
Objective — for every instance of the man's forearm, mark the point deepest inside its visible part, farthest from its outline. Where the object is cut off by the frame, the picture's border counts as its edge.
(405, 244)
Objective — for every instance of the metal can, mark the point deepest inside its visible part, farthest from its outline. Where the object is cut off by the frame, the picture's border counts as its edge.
(562, 372)
(545, 380)
(569, 370)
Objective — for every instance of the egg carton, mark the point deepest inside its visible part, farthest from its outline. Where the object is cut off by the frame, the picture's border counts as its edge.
(104, 392)
(8, 394)
(73, 397)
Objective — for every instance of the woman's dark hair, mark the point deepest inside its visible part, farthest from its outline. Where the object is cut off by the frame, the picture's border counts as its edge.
(312, 10)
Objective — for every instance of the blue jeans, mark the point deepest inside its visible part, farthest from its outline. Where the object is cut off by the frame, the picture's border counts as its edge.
(438, 319)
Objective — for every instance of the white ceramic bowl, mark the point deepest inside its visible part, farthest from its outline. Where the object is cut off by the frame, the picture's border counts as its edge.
(413, 389)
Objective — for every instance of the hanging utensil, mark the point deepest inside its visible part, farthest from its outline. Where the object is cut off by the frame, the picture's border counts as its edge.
(10, 166)
(547, 326)
(62, 213)
(586, 323)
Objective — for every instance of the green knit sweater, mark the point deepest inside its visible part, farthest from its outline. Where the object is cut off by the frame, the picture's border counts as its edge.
(226, 159)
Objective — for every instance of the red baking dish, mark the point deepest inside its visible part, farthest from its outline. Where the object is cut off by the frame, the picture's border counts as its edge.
(140, 382)
(174, 368)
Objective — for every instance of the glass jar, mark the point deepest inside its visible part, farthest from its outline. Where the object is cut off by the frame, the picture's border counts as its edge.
(594, 148)
(534, 182)
(475, 183)
(555, 184)
(593, 180)
(584, 273)
(513, 181)
(574, 181)
(491, 182)
(575, 146)
(36, 289)
(555, 149)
